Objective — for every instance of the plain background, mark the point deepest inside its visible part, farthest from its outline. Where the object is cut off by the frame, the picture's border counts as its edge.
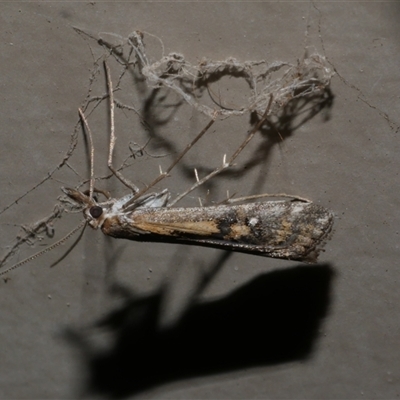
(119, 319)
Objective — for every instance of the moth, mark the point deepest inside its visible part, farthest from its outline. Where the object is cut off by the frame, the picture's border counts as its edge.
(290, 230)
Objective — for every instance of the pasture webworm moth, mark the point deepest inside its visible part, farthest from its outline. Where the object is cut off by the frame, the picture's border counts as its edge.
(281, 229)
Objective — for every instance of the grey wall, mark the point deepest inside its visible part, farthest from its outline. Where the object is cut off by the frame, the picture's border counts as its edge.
(117, 318)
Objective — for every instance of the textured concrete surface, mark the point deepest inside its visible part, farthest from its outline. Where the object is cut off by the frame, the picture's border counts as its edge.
(120, 319)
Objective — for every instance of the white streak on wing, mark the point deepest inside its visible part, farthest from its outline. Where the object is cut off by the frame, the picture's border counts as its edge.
(117, 206)
(298, 208)
(159, 200)
(253, 221)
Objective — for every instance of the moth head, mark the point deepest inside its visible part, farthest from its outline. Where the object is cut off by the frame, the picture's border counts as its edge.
(94, 212)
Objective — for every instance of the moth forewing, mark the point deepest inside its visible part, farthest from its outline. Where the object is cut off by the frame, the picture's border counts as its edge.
(291, 230)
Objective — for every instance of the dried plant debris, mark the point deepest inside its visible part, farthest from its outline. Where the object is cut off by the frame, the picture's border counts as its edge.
(280, 80)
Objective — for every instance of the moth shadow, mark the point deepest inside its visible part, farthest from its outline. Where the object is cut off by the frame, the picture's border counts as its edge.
(273, 319)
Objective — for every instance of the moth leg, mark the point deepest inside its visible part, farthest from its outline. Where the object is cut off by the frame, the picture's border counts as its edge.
(231, 200)
(113, 138)
(89, 135)
(105, 193)
(226, 164)
(174, 163)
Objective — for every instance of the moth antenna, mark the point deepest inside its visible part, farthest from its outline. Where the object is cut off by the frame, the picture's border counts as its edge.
(113, 138)
(46, 250)
(89, 134)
